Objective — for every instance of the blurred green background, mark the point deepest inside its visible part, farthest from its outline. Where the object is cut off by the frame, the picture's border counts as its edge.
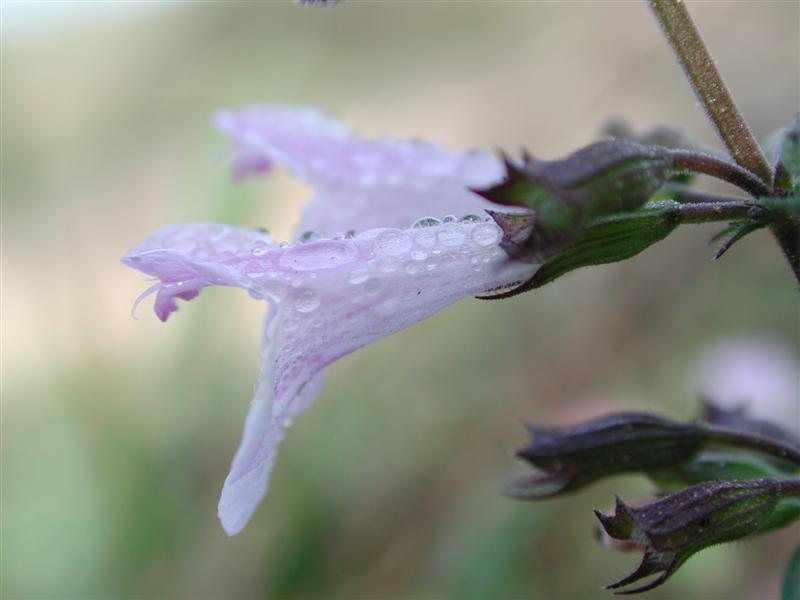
(117, 434)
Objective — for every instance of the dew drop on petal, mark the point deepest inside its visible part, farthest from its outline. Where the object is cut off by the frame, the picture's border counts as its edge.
(418, 254)
(426, 238)
(486, 234)
(413, 269)
(259, 248)
(393, 242)
(276, 290)
(358, 276)
(426, 222)
(451, 235)
(471, 219)
(307, 301)
(372, 287)
(319, 255)
(449, 219)
(254, 269)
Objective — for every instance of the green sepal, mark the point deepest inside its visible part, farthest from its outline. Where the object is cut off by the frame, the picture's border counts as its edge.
(565, 195)
(733, 233)
(678, 525)
(786, 512)
(608, 240)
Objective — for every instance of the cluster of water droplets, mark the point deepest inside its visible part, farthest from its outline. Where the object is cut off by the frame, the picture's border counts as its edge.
(365, 262)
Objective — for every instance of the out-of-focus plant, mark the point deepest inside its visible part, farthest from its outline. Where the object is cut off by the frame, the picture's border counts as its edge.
(719, 479)
(399, 230)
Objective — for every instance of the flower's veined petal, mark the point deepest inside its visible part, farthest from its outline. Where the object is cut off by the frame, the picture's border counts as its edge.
(360, 184)
(190, 256)
(329, 297)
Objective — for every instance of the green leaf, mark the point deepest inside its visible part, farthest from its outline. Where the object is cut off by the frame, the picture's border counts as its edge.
(608, 240)
(791, 580)
(715, 465)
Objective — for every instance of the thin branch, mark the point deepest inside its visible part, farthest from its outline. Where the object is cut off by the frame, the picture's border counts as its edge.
(739, 439)
(715, 166)
(686, 195)
(705, 78)
(712, 212)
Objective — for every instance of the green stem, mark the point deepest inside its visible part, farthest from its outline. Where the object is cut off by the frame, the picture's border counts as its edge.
(705, 78)
(707, 164)
(685, 195)
(713, 212)
(740, 439)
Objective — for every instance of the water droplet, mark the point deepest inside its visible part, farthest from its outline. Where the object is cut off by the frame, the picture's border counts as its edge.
(319, 255)
(413, 269)
(392, 242)
(259, 248)
(389, 306)
(451, 235)
(276, 290)
(254, 269)
(471, 219)
(449, 219)
(307, 236)
(372, 287)
(307, 301)
(350, 234)
(426, 222)
(486, 234)
(426, 238)
(430, 266)
(387, 265)
(358, 276)
(418, 254)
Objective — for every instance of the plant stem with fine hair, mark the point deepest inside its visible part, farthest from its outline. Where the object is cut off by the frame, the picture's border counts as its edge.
(705, 78)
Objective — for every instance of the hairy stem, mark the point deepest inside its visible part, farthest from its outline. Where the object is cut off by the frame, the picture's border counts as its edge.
(712, 212)
(708, 164)
(700, 69)
(739, 439)
(686, 195)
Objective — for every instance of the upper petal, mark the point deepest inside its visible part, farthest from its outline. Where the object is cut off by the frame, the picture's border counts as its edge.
(360, 184)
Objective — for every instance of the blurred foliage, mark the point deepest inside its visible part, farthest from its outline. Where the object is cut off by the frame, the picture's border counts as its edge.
(117, 434)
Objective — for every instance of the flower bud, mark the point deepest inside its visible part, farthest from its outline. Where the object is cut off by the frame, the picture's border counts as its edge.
(602, 178)
(787, 166)
(569, 458)
(678, 525)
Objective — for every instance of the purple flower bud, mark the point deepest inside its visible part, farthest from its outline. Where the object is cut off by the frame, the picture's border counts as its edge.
(679, 525)
(569, 458)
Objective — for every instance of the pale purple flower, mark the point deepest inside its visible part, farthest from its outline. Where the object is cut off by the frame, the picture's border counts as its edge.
(397, 236)
(757, 373)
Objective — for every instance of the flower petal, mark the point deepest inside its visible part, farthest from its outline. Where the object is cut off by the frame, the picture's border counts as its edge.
(329, 298)
(360, 184)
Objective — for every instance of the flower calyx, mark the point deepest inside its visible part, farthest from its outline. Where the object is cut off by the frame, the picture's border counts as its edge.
(673, 528)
